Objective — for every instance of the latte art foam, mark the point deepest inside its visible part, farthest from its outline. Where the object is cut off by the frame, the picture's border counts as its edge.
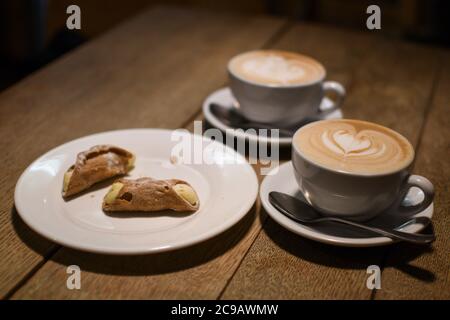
(354, 146)
(276, 67)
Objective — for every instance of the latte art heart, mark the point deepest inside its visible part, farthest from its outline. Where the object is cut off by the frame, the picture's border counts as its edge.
(354, 146)
(346, 143)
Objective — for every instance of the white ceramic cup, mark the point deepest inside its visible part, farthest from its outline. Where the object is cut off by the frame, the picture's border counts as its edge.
(283, 104)
(356, 196)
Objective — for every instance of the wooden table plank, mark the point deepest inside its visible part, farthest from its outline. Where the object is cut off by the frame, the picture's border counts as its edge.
(137, 75)
(383, 87)
(418, 273)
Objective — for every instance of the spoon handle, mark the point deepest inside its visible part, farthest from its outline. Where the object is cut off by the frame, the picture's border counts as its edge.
(393, 234)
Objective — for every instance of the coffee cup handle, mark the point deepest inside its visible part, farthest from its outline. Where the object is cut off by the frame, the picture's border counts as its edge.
(339, 90)
(427, 188)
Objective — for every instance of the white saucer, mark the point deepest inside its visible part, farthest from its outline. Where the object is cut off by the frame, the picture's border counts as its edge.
(225, 97)
(284, 181)
(80, 223)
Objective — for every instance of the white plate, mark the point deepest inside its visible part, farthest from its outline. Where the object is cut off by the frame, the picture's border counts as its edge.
(284, 181)
(80, 223)
(225, 97)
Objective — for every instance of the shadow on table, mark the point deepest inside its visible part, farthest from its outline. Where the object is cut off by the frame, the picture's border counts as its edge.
(136, 265)
(396, 256)
(31, 239)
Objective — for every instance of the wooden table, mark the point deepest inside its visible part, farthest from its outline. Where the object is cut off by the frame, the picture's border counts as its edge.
(159, 67)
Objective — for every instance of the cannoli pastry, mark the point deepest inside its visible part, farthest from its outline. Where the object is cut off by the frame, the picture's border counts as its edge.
(147, 194)
(94, 165)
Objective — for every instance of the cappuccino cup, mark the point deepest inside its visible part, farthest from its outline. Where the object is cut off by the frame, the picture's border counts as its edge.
(355, 169)
(280, 87)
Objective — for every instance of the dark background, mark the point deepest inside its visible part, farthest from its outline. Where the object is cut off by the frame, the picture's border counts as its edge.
(33, 32)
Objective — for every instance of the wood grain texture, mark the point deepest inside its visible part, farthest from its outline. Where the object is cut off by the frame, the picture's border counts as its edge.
(427, 276)
(153, 71)
(383, 87)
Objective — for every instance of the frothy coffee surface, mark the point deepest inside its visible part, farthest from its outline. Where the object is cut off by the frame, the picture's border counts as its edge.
(354, 146)
(276, 67)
